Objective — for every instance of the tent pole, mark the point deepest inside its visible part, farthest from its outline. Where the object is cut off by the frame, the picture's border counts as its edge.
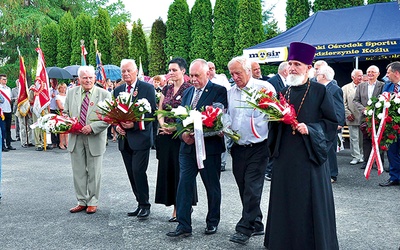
(356, 62)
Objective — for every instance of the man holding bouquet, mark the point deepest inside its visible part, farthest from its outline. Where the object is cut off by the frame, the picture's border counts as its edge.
(88, 146)
(250, 153)
(202, 93)
(136, 140)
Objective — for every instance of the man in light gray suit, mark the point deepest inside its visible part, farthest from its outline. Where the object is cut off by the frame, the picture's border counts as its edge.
(364, 92)
(88, 146)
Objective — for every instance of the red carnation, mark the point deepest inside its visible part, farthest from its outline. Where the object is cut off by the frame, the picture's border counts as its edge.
(396, 127)
(389, 119)
(398, 131)
(391, 136)
(384, 148)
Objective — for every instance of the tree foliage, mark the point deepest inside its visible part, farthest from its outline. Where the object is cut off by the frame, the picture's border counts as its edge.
(296, 12)
(157, 57)
(378, 1)
(119, 44)
(138, 48)
(48, 43)
(201, 31)
(178, 30)
(82, 31)
(270, 25)
(101, 31)
(332, 5)
(225, 19)
(66, 27)
(249, 30)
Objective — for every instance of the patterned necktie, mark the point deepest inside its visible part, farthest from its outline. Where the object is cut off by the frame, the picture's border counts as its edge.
(84, 109)
(396, 88)
(129, 88)
(196, 98)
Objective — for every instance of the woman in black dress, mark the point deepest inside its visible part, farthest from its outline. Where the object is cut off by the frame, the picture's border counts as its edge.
(167, 147)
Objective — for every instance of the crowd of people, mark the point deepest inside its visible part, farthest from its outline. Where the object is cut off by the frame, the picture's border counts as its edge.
(299, 160)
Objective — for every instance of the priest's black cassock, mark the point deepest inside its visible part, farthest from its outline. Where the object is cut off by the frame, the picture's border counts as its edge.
(301, 212)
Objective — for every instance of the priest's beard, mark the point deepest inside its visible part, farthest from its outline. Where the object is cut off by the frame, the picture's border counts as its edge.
(295, 80)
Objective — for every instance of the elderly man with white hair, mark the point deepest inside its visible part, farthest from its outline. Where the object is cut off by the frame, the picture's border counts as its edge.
(325, 76)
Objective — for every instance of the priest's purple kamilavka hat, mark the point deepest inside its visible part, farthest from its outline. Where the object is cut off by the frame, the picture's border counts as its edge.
(302, 52)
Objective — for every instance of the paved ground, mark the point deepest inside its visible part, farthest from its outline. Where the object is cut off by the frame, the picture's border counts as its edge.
(38, 192)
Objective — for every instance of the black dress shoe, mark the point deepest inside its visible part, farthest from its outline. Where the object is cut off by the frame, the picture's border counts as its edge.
(179, 233)
(39, 149)
(11, 148)
(135, 212)
(144, 214)
(210, 230)
(239, 238)
(173, 219)
(258, 232)
(5, 149)
(389, 183)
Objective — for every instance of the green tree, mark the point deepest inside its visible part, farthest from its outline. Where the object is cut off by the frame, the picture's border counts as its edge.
(225, 18)
(119, 44)
(138, 48)
(296, 12)
(157, 57)
(338, 4)
(101, 31)
(48, 43)
(64, 49)
(250, 31)
(82, 31)
(270, 25)
(378, 1)
(201, 31)
(178, 30)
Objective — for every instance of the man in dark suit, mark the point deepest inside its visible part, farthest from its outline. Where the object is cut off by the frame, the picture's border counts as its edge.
(256, 72)
(136, 141)
(364, 92)
(202, 93)
(393, 73)
(325, 76)
(278, 80)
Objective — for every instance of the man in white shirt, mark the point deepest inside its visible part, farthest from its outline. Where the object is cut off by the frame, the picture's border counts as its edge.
(219, 79)
(5, 91)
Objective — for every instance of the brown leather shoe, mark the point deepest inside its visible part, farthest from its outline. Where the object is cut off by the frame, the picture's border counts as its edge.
(77, 209)
(91, 209)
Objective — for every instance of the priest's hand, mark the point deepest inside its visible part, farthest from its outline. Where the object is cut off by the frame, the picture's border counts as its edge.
(302, 128)
(188, 138)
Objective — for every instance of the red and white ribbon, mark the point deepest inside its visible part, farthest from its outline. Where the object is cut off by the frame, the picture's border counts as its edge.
(376, 138)
(253, 126)
(141, 123)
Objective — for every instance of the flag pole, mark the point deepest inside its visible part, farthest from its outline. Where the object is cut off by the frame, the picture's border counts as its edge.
(25, 117)
(44, 132)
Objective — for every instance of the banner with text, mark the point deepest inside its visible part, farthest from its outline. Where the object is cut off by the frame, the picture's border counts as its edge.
(267, 55)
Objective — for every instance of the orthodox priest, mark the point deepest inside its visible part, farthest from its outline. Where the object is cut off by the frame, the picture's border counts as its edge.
(301, 212)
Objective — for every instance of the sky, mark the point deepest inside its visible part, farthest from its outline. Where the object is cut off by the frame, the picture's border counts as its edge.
(149, 10)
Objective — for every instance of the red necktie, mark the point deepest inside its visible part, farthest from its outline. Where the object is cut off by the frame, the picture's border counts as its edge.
(129, 88)
(84, 109)
(396, 88)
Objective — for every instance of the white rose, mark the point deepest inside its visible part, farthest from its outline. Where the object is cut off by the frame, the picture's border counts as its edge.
(179, 111)
(380, 116)
(365, 112)
(381, 98)
(398, 111)
(370, 112)
(396, 100)
(386, 104)
(369, 102)
(378, 105)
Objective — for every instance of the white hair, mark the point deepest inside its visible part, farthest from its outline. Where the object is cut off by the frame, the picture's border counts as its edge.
(88, 69)
(327, 71)
(127, 61)
(246, 64)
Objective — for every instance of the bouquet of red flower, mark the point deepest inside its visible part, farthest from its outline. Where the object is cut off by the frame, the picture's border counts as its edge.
(387, 108)
(214, 120)
(276, 109)
(57, 124)
(123, 109)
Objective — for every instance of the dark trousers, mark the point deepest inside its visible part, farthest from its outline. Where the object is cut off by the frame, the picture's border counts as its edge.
(332, 160)
(210, 175)
(55, 138)
(394, 161)
(3, 132)
(136, 163)
(249, 165)
(7, 122)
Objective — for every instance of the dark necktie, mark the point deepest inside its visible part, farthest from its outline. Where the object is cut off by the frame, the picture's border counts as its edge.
(396, 88)
(196, 98)
(84, 109)
(129, 88)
